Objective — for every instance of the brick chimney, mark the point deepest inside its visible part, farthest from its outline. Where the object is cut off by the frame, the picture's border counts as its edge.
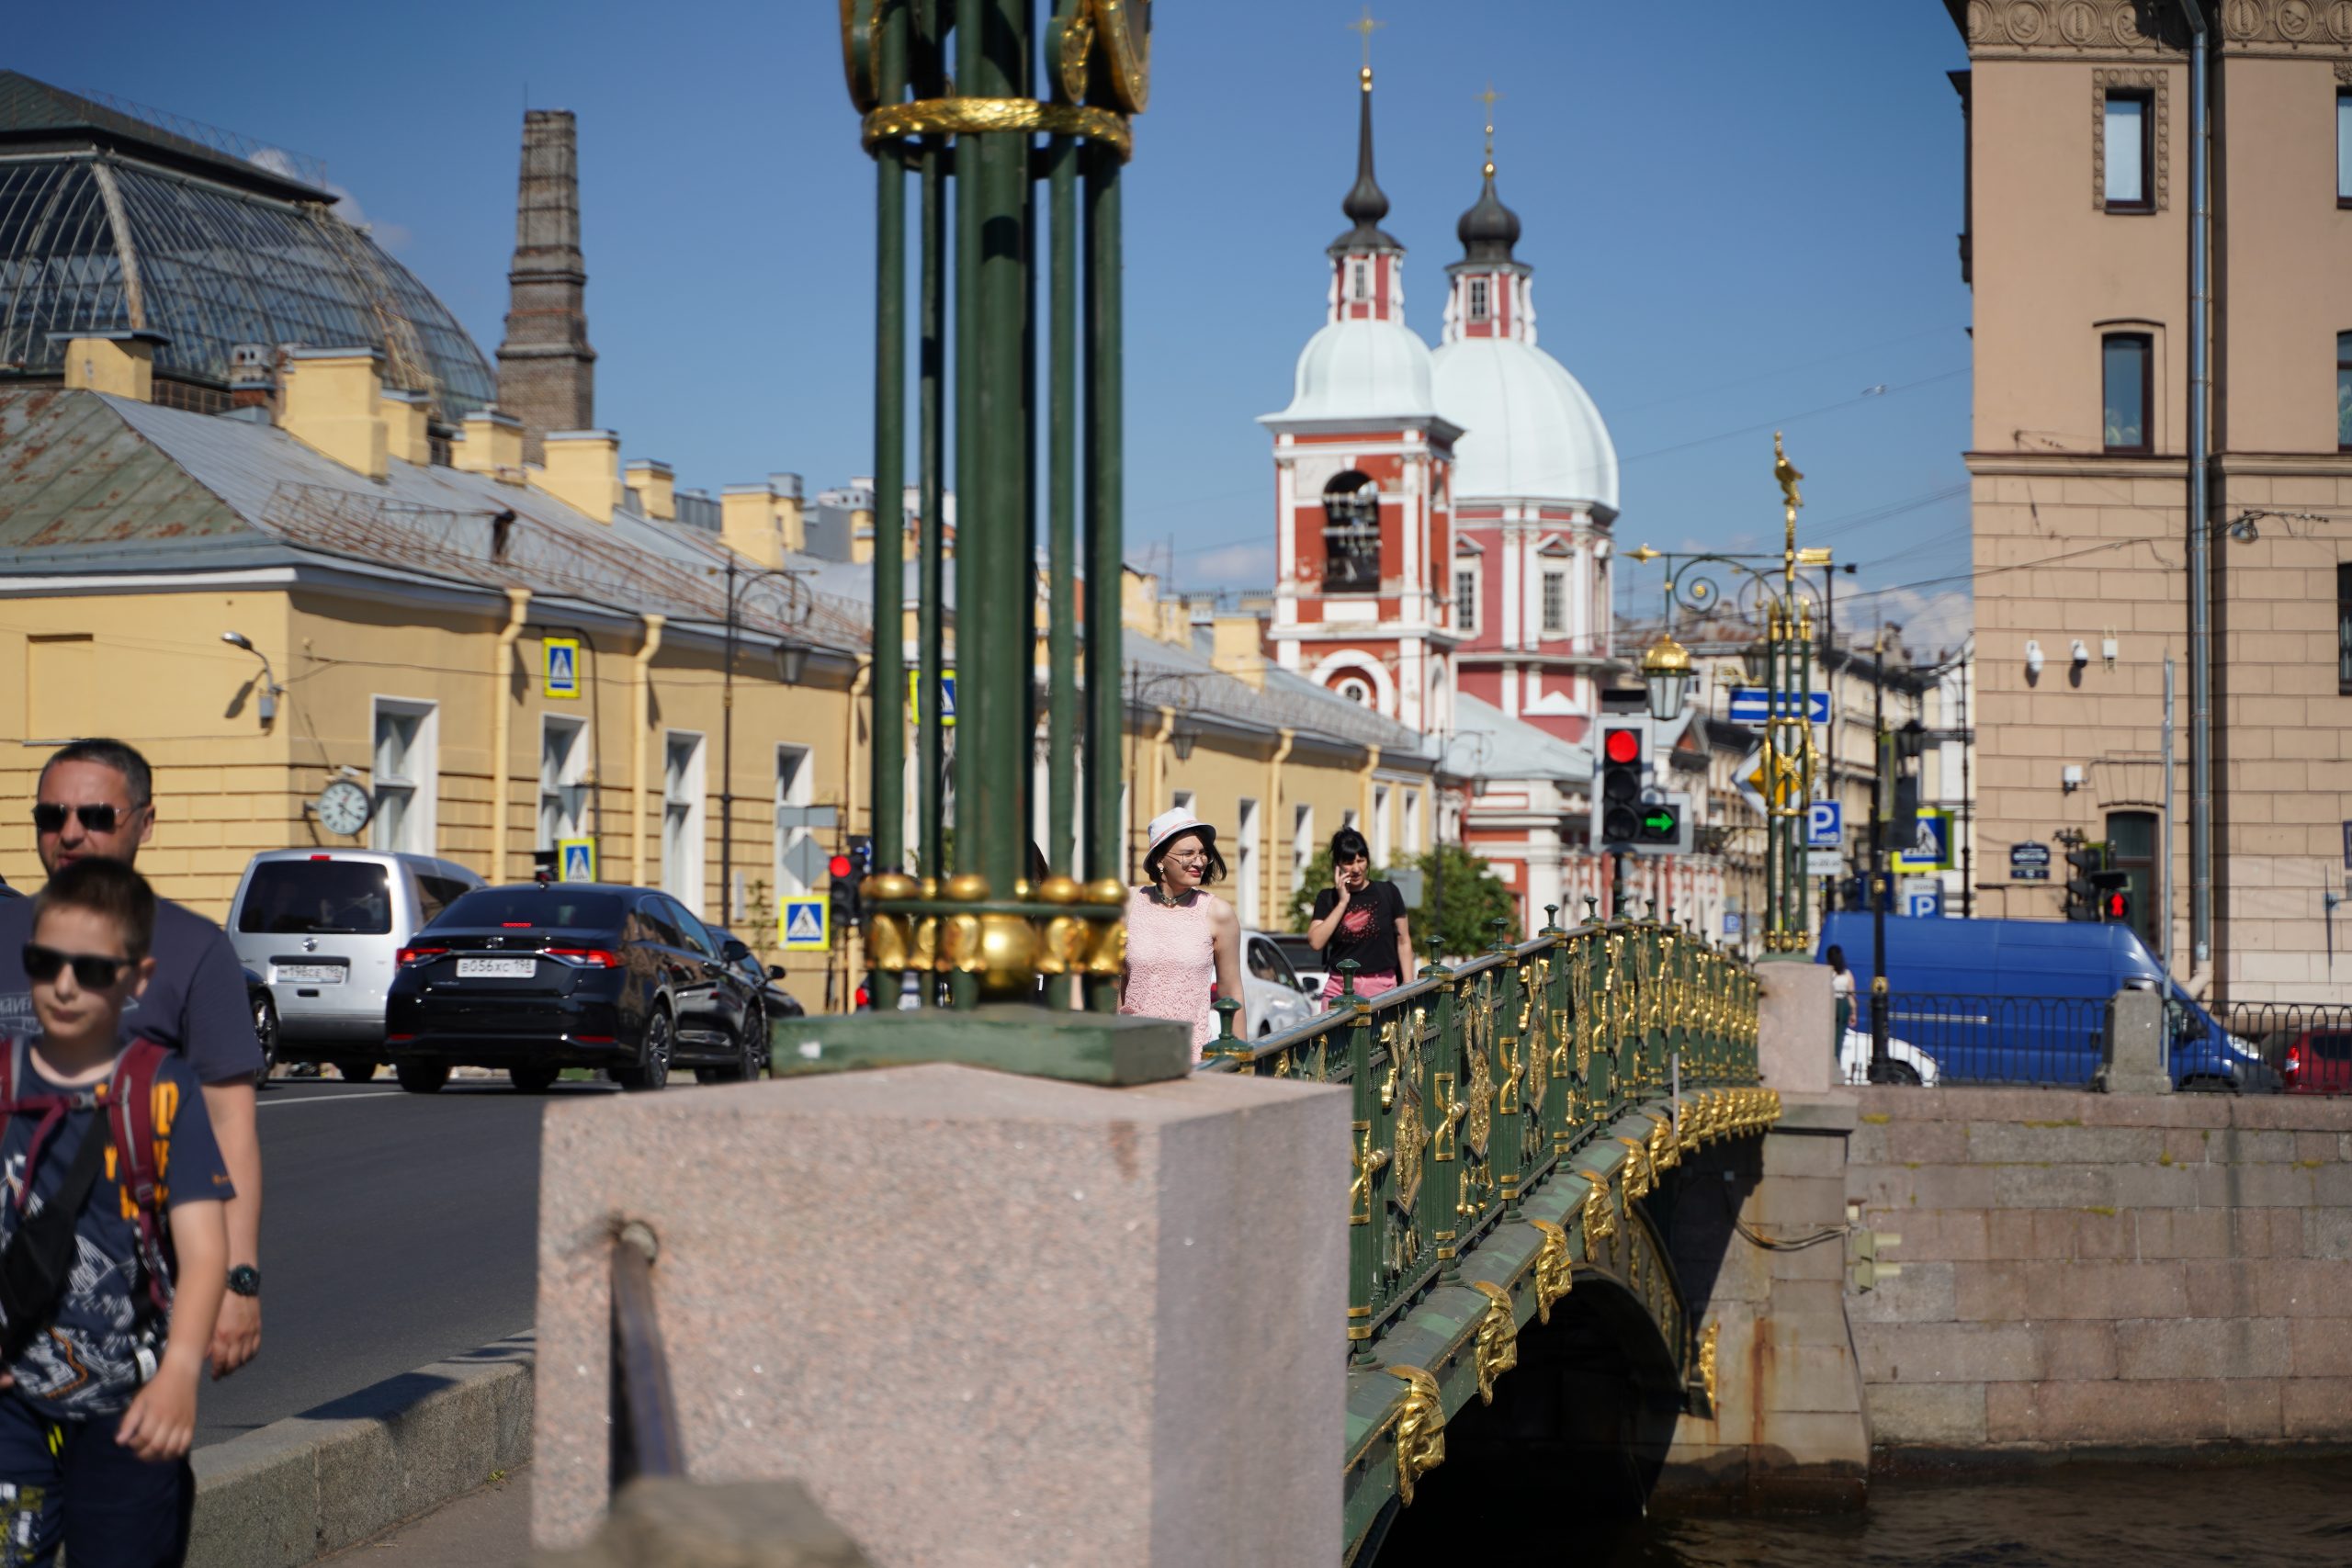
(547, 372)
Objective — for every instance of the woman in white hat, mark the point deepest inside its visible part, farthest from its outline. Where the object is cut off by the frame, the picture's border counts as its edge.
(1183, 943)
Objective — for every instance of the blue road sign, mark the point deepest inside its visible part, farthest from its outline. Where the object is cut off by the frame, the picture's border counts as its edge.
(575, 859)
(1925, 904)
(1931, 848)
(806, 925)
(1824, 825)
(562, 666)
(1751, 705)
(1734, 923)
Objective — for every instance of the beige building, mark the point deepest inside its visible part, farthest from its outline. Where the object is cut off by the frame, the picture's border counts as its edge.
(2081, 239)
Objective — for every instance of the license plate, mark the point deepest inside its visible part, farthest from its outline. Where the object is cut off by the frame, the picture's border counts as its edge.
(496, 968)
(311, 974)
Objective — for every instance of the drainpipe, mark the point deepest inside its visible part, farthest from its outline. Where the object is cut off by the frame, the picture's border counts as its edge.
(2200, 533)
(1273, 822)
(501, 725)
(640, 720)
(1159, 760)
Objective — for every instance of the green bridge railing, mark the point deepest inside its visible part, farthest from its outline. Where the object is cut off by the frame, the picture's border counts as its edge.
(1510, 1113)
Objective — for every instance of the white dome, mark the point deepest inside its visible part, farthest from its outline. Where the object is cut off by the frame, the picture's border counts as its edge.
(1357, 369)
(1531, 431)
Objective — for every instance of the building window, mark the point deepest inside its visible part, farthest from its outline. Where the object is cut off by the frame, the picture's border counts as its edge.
(799, 857)
(682, 831)
(1245, 862)
(1302, 843)
(2344, 149)
(2129, 147)
(2343, 392)
(405, 777)
(1412, 821)
(1380, 844)
(1480, 306)
(2132, 849)
(1359, 280)
(1354, 691)
(1181, 800)
(1465, 600)
(563, 769)
(1555, 603)
(1351, 534)
(2344, 628)
(2125, 379)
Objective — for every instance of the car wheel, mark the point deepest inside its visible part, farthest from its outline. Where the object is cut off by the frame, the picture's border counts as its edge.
(532, 1080)
(1902, 1073)
(652, 1069)
(751, 1055)
(421, 1077)
(266, 1033)
(356, 1071)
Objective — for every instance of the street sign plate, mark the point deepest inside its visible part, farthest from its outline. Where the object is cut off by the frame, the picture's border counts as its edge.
(1824, 863)
(1923, 897)
(1748, 778)
(1734, 923)
(560, 665)
(2029, 863)
(1824, 825)
(1931, 849)
(1753, 705)
(803, 925)
(575, 859)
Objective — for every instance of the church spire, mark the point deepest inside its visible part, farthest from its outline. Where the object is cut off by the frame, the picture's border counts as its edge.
(1367, 204)
(1489, 229)
(1491, 296)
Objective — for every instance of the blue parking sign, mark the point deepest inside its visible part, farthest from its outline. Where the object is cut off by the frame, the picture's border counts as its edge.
(1824, 825)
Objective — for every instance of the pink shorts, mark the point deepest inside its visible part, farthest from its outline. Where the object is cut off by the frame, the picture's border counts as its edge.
(1366, 985)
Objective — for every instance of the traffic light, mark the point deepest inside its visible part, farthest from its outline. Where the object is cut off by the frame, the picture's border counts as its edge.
(2111, 895)
(840, 893)
(861, 856)
(1617, 790)
(2085, 870)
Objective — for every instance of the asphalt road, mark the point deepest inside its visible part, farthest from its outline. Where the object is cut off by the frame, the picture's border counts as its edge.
(397, 1230)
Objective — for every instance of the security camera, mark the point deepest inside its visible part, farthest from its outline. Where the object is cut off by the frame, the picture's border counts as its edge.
(2033, 658)
(2082, 654)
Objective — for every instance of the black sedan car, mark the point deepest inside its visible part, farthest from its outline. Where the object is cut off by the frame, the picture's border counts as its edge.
(548, 976)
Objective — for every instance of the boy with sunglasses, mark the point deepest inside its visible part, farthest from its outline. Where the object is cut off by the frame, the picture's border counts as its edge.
(102, 1360)
(96, 801)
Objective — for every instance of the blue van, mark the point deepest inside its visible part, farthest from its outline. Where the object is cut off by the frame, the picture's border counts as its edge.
(2014, 1000)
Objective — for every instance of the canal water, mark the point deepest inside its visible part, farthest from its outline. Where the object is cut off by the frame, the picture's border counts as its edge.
(2286, 1514)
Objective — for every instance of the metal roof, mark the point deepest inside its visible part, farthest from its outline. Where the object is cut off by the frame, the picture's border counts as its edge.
(92, 483)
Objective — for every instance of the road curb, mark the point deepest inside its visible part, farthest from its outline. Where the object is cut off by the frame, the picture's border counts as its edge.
(297, 1489)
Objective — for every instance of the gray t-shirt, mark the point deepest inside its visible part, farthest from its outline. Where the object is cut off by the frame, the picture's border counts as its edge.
(195, 1004)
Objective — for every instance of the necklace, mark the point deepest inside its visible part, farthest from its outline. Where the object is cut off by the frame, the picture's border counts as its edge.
(1159, 897)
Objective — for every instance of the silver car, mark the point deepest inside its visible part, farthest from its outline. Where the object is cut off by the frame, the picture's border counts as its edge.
(323, 930)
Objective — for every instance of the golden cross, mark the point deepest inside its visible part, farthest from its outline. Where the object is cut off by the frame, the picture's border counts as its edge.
(1487, 98)
(1365, 26)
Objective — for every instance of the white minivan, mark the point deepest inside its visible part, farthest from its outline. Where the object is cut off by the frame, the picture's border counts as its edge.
(323, 930)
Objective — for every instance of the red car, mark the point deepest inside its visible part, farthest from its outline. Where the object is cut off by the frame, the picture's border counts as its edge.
(2319, 1061)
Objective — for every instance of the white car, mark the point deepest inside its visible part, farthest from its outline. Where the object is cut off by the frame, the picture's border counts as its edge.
(1854, 1060)
(1273, 998)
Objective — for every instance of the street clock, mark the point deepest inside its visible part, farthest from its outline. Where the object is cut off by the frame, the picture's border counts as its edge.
(343, 807)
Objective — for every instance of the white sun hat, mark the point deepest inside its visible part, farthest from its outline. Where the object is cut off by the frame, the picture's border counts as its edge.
(1169, 824)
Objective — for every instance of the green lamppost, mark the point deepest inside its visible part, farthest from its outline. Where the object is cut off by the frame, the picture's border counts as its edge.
(945, 88)
(1787, 757)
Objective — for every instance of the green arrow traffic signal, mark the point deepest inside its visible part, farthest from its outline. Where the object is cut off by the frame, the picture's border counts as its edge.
(1658, 822)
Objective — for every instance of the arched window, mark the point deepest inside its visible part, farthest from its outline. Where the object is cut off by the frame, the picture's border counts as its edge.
(1350, 534)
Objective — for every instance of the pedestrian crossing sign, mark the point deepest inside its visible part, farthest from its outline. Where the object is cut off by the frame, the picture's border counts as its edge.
(560, 656)
(804, 926)
(946, 697)
(575, 859)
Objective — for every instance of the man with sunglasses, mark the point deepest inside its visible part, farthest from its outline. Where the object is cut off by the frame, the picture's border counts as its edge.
(96, 801)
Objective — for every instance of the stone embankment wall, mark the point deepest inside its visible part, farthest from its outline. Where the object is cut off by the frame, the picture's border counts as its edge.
(2085, 1271)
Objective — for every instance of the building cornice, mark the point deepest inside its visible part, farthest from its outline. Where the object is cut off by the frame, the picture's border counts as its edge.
(2141, 31)
(2075, 465)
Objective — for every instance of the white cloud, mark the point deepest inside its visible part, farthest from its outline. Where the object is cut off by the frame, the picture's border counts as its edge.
(1231, 566)
(1931, 622)
(392, 236)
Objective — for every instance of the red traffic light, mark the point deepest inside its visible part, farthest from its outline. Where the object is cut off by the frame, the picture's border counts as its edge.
(1621, 745)
(838, 868)
(2116, 906)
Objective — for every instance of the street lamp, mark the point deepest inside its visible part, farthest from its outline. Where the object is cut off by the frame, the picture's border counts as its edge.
(269, 691)
(1665, 670)
(791, 658)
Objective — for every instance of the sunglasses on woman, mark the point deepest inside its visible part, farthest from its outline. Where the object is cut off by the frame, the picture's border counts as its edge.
(92, 972)
(50, 817)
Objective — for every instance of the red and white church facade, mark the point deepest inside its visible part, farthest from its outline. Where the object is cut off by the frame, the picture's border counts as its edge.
(1442, 540)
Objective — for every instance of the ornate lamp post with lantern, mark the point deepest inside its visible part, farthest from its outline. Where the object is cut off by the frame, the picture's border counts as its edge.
(1788, 755)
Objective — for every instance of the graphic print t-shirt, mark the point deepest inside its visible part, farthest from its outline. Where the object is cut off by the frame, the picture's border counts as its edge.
(86, 1364)
(1367, 931)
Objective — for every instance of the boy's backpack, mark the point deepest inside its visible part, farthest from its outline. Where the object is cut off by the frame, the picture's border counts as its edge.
(129, 1106)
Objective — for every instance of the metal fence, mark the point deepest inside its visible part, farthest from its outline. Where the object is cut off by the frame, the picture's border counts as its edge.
(2309, 1045)
(2046, 1042)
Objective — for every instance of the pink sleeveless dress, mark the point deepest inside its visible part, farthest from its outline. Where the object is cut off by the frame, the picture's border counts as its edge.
(1172, 964)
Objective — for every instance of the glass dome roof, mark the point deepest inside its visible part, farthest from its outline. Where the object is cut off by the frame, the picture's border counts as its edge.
(93, 238)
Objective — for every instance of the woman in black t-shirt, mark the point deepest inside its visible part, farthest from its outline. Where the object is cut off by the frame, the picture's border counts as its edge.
(1362, 920)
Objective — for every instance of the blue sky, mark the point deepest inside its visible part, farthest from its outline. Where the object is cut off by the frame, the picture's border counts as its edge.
(1739, 217)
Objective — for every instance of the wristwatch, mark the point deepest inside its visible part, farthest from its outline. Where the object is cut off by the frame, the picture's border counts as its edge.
(244, 1279)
